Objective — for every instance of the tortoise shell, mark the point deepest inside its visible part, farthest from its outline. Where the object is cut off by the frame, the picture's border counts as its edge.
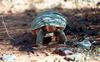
(49, 18)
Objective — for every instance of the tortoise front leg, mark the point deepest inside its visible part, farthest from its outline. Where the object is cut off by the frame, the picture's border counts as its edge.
(39, 38)
(61, 35)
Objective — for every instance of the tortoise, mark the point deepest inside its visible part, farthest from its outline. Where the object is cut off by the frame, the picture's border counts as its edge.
(49, 22)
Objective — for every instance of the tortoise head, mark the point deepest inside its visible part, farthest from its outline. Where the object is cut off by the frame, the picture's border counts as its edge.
(50, 28)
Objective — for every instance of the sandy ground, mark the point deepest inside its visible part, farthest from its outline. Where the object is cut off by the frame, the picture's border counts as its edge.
(41, 54)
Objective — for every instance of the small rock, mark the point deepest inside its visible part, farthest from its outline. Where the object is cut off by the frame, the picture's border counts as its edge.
(56, 60)
(69, 58)
(97, 57)
(96, 43)
(0, 49)
(8, 57)
(33, 60)
(74, 57)
(64, 51)
(84, 44)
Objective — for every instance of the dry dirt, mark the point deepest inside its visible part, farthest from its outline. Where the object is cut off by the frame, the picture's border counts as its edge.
(18, 25)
